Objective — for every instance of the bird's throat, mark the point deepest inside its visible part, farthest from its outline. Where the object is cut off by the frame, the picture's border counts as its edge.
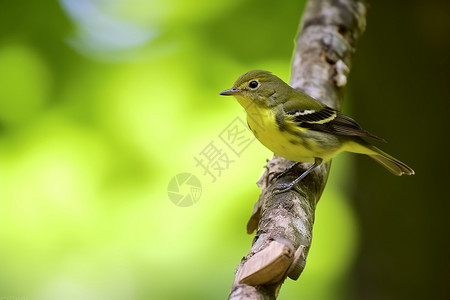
(245, 102)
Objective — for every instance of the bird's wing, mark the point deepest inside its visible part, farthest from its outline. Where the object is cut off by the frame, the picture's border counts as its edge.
(329, 120)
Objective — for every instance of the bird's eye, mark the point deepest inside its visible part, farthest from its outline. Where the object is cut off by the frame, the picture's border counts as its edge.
(253, 84)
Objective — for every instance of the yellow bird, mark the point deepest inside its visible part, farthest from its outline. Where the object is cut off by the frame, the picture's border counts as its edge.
(301, 129)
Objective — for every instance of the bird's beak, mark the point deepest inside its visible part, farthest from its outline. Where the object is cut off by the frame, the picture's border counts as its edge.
(231, 92)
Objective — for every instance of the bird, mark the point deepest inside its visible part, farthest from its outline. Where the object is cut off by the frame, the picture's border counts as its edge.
(297, 127)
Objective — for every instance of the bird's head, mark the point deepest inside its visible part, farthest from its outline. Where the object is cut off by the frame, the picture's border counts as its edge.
(258, 87)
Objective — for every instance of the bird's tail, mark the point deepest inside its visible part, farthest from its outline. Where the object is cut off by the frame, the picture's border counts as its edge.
(394, 166)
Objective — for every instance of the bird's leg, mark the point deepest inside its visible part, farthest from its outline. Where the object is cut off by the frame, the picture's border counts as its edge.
(287, 170)
(289, 186)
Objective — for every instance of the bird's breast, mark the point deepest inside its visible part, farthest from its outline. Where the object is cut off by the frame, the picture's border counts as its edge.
(281, 137)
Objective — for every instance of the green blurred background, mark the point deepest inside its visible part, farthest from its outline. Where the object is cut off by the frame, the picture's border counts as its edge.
(102, 103)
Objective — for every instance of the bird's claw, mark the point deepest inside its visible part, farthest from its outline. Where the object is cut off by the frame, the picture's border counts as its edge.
(283, 188)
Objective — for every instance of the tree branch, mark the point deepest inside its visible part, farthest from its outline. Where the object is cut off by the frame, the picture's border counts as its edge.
(329, 31)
